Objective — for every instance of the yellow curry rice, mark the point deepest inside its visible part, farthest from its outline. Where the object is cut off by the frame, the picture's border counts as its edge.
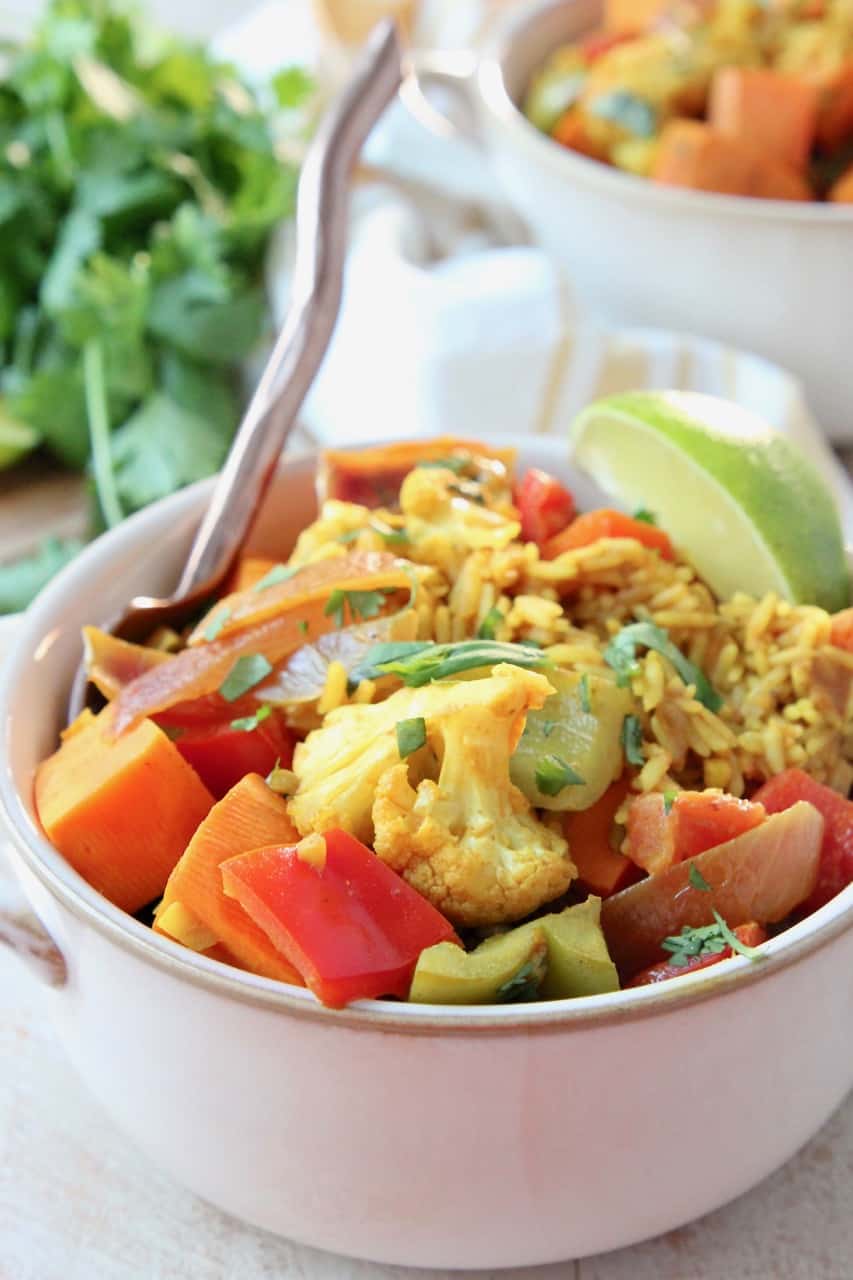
(785, 687)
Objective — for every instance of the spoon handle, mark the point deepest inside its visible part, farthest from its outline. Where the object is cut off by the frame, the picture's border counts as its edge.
(322, 212)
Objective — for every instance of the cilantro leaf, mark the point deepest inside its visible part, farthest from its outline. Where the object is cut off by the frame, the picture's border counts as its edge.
(554, 774)
(490, 624)
(21, 580)
(418, 663)
(731, 938)
(694, 875)
(411, 735)
(161, 448)
(669, 798)
(245, 724)
(278, 573)
(644, 516)
(621, 655)
(706, 940)
(249, 669)
(524, 985)
(632, 741)
(362, 604)
(583, 688)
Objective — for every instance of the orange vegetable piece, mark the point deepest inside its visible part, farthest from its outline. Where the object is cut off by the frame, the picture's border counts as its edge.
(634, 15)
(697, 820)
(248, 817)
(111, 663)
(120, 810)
(761, 875)
(692, 154)
(841, 192)
(772, 111)
(594, 525)
(312, 583)
(249, 570)
(571, 131)
(835, 119)
(198, 672)
(372, 477)
(841, 634)
(601, 868)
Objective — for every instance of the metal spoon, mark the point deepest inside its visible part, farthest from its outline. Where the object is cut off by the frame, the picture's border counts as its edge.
(322, 209)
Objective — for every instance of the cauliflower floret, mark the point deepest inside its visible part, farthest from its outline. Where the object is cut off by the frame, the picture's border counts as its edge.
(469, 842)
(446, 517)
(321, 539)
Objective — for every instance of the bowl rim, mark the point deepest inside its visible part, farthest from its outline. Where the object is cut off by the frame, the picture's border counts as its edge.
(71, 891)
(583, 171)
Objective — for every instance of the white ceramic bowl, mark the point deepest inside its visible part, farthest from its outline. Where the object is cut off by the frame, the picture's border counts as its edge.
(442, 1137)
(766, 275)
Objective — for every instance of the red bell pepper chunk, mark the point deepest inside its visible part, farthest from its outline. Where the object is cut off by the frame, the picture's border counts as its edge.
(350, 925)
(594, 525)
(751, 935)
(696, 821)
(841, 634)
(221, 755)
(544, 505)
(835, 871)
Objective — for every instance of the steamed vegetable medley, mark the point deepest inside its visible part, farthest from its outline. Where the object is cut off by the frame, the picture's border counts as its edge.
(466, 745)
(743, 97)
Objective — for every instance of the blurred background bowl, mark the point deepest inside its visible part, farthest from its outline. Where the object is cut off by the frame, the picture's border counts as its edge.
(766, 275)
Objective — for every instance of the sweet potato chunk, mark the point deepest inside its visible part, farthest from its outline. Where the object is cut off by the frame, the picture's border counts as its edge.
(248, 817)
(772, 111)
(121, 810)
(692, 154)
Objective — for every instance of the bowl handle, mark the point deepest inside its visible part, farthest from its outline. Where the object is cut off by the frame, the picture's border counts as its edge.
(32, 944)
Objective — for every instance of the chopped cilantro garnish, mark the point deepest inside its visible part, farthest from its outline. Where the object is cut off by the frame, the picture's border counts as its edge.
(278, 573)
(553, 774)
(621, 655)
(524, 985)
(248, 670)
(303, 626)
(669, 798)
(362, 604)
(411, 735)
(350, 535)
(490, 624)
(707, 940)
(457, 463)
(751, 953)
(645, 517)
(217, 622)
(418, 662)
(694, 875)
(632, 741)
(247, 723)
(393, 537)
(586, 701)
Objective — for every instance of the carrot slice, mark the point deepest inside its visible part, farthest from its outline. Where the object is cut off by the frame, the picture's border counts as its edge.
(249, 570)
(601, 868)
(773, 111)
(248, 817)
(357, 571)
(594, 525)
(121, 811)
(372, 477)
(198, 672)
(841, 634)
(111, 663)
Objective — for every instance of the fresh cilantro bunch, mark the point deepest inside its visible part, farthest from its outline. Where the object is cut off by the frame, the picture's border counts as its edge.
(139, 184)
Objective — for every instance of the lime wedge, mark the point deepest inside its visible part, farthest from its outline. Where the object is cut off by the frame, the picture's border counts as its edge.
(742, 504)
(16, 440)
